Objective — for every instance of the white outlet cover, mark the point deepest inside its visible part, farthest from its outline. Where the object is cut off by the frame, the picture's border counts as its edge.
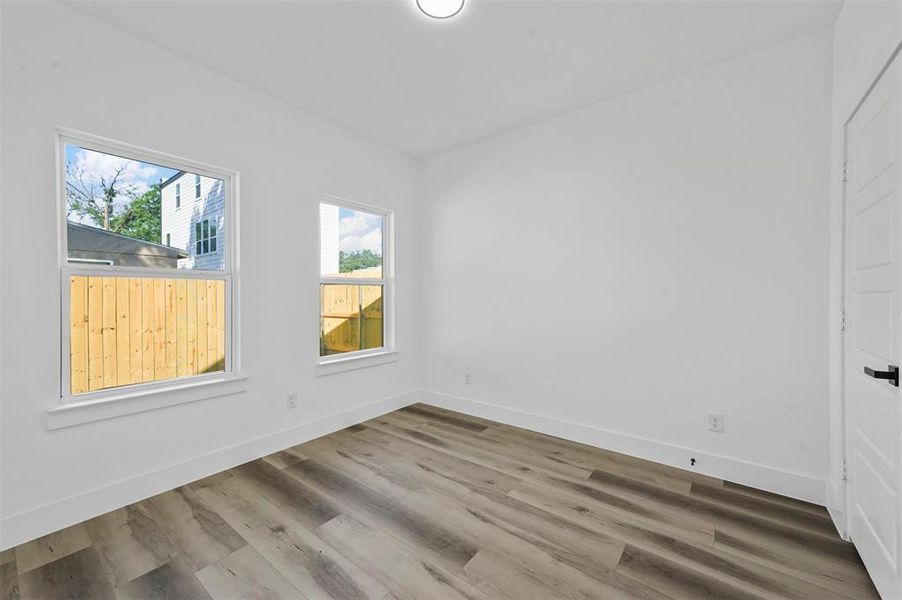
(715, 422)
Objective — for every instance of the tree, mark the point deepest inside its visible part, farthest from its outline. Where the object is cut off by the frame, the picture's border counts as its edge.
(94, 198)
(100, 199)
(358, 259)
(141, 219)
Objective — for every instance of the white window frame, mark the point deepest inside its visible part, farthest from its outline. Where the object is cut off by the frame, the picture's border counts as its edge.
(157, 393)
(336, 363)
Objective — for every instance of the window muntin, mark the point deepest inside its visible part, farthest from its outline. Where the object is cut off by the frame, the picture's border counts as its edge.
(139, 311)
(354, 279)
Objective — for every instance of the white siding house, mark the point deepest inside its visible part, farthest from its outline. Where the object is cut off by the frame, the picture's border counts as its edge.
(329, 238)
(193, 209)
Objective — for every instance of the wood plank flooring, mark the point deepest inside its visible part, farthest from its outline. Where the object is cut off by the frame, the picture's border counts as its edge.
(425, 503)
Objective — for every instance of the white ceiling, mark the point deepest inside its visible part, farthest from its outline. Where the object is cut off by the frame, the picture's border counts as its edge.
(382, 69)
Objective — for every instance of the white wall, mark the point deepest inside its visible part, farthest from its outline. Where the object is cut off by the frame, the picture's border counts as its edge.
(615, 273)
(866, 34)
(61, 68)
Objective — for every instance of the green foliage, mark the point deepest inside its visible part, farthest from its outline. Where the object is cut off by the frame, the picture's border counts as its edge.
(359, 259)
(142, 218)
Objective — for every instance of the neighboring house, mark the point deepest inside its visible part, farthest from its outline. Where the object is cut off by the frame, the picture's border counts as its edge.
(193, 209)
(329, 238)
(93, 245)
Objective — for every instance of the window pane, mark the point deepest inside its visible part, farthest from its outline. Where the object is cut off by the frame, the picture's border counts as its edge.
(117, 209)
(351, 243)
(128, 330)
(351, 318)
(197, 250)
(206, 246)
(206, 233)
(212, 244)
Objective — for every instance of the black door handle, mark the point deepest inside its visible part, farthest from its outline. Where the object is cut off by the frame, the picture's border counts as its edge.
(891, 374)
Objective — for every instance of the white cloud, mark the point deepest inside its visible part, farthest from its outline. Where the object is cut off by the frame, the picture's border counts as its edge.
(372, 240)
(360, 231)
(359, 223)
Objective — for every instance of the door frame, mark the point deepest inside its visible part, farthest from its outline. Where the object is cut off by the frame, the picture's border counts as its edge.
(837, 493)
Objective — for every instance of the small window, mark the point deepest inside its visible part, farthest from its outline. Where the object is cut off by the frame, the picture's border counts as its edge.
(178, 195)
(354, 280)
(196, 186)
(137, 310)
(205, 236)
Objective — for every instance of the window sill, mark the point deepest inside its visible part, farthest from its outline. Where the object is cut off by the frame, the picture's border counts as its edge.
(340, 364)
(76, 412)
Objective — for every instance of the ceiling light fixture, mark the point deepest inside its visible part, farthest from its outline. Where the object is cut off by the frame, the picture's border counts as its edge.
(440, 9)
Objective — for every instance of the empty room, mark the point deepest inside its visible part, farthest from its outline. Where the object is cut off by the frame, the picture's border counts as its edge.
(450, 299)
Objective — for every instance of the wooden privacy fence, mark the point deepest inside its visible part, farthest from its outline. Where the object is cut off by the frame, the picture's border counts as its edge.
(351, 318)
(128, 330)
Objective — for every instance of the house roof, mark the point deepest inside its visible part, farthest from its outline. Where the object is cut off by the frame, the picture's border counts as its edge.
(171, 179)
(121, 242)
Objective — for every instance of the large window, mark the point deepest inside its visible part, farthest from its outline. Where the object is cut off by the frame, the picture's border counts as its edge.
(355, 280)
(137, 310)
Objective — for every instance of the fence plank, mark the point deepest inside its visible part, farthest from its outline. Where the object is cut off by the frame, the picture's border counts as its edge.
(148, 318)
(181, 343)
(109, 332)
(95, 333)
(171, 328)
(212, 336)
(135, 342)
(123, 332)
(220, 322)
(159, 337)
(202, 327)
(78, 334)
(191, 329)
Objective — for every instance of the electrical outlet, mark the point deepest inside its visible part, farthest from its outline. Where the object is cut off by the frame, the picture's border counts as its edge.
(715, 422)
(291, 401)
(468, 378)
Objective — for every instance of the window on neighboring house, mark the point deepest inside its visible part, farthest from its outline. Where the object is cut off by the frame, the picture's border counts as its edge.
(178, 195)
(355, 279)
(136, 311)
(205, 236)
(196, 186)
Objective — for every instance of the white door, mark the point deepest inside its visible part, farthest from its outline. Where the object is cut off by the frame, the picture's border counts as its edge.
(873, 307)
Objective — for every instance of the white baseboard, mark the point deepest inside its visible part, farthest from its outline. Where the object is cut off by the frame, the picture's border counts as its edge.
(34, 523)
(772, 479)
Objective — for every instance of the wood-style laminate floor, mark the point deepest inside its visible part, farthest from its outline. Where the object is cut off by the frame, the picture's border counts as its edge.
(431, 504)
